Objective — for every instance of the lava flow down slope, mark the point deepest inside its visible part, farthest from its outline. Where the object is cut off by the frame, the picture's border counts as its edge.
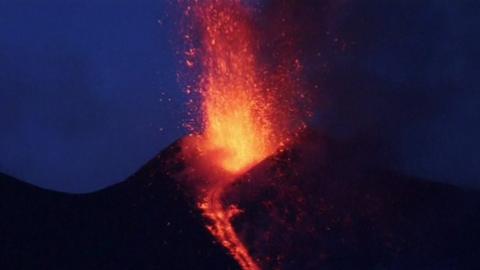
(277, 215)
(252, 187)
(312, 206)
(249, 110)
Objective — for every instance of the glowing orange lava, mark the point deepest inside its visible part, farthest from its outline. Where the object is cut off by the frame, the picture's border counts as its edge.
(222, 227)
(240, 110)
(236, 112)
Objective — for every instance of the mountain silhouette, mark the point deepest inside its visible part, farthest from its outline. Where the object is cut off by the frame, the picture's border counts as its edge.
(316, 205)
(321, 204)
(141, 223)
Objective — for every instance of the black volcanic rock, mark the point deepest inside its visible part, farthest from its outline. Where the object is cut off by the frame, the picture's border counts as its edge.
(142, 223)
(318, 205)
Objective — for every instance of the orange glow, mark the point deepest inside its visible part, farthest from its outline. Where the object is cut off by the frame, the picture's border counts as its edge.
(236, 110)
(222, 228)
(237, 126)
(246, 110)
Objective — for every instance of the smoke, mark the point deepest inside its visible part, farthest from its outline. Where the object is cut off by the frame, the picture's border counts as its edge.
(398, 78)
(81, 84)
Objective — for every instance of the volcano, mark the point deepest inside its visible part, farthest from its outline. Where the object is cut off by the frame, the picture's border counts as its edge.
(141, 223)
(315, 205)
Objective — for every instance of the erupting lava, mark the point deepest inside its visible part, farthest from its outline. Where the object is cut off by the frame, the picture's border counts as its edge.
(243, 114)
(236, 109)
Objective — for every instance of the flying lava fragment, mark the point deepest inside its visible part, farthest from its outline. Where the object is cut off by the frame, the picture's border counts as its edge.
(246, 110)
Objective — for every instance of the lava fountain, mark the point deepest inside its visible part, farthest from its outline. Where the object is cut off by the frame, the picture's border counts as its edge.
(246, 110)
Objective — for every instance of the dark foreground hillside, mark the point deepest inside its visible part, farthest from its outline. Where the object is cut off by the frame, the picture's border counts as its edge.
(142, 223)
(312, 207)
(321, 205)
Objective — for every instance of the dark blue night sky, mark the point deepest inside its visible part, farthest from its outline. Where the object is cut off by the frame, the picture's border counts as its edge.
(89, 91)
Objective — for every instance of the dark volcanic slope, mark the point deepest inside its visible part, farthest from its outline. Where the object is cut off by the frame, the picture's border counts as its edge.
(321, 206)
(316, 206)
(142, 223)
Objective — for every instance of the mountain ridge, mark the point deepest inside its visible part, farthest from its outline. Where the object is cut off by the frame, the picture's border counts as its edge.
(318, 204)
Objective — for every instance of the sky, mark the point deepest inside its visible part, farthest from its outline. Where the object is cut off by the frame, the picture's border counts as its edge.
(407, 79)
(89, 90)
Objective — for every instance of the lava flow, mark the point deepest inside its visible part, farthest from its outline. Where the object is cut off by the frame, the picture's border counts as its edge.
(244, 115)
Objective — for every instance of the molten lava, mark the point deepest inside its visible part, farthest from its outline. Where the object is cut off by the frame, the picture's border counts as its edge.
(244, 116)
(222, 227)
(236, 110)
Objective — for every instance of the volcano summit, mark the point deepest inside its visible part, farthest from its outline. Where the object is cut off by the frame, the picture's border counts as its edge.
(312, 206)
